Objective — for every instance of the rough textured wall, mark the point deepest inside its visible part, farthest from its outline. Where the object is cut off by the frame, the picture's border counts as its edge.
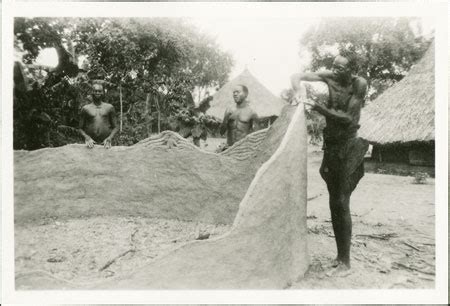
(162, 176)
(266, 247)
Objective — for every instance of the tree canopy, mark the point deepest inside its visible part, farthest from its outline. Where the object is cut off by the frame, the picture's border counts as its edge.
(381, 49)
(154, 64)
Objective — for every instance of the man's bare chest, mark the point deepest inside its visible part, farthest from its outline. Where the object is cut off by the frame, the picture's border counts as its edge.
(339, 96)
(97, 112)
(241, 115)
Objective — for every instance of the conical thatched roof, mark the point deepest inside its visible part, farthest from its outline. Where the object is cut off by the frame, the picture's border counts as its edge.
(404, 112)
(263, 102)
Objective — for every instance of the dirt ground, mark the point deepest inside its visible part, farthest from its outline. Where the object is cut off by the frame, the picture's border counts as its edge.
(393, 238)
(91, 250)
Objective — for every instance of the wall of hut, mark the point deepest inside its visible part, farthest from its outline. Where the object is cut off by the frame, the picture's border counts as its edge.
(415, 153)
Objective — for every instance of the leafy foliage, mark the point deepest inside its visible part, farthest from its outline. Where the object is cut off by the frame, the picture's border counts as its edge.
(381, 49)
(153, 64)
(193, 123)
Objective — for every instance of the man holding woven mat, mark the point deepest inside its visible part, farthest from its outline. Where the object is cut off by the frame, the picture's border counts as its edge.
(343, 161)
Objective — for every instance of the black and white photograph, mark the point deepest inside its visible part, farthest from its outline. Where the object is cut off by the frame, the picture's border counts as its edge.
(236, 146)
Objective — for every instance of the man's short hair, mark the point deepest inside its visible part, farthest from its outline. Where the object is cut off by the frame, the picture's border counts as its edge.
(98, 83)
(350, 56)
(244, 88)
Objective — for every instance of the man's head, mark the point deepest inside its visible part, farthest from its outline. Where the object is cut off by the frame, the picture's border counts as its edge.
(97, 92)
(240, 93)
(341, 67)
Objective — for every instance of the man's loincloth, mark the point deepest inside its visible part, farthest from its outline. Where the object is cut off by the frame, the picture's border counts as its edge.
(343, 164)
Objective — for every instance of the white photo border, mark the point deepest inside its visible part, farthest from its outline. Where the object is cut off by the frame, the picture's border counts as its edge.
(438, 11)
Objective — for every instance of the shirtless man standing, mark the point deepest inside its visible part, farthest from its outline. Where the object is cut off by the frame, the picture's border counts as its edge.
(98, 120)
(343, 161)
(240, 121)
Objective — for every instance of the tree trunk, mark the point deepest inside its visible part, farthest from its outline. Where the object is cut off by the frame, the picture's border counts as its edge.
(121, 108)
(148, 127)
(159, 114)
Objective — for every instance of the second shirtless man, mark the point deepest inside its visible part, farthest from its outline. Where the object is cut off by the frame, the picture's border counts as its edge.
(240, 121)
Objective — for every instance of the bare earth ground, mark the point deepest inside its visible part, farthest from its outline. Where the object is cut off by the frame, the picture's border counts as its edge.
(89, 251)
(393, 238)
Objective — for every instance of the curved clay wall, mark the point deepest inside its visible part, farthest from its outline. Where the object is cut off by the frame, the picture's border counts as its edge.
(165, 176)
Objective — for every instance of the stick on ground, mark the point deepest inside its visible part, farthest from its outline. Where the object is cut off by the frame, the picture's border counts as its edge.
(110, 262)
(411, 246)
(400, 265)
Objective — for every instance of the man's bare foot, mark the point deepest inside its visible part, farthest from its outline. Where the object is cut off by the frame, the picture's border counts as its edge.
(340, 270)
(337, 263)
(343, 266)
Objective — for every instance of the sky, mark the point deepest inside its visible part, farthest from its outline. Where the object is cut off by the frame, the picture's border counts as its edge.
(269, 48)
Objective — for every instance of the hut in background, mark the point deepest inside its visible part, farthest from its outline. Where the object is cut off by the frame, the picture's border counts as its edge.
(262, 101)
(400, 122)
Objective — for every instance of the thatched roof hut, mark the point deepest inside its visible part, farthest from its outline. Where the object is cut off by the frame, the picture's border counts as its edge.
(263, 102)
(403, 113)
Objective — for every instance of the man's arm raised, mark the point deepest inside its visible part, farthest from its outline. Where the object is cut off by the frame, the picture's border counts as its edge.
(309, 77)
(299, 88)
